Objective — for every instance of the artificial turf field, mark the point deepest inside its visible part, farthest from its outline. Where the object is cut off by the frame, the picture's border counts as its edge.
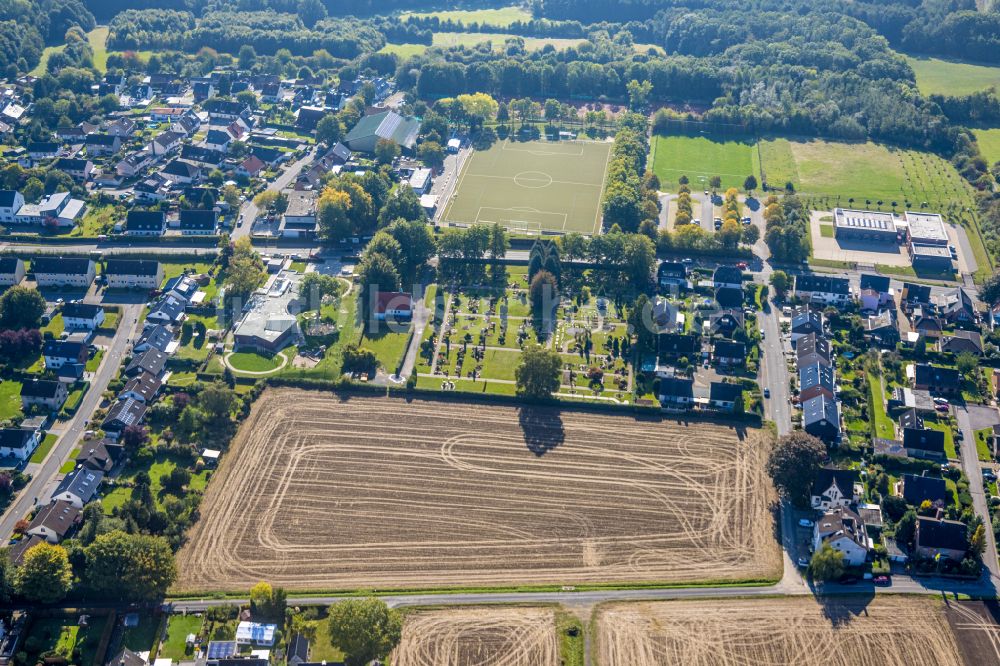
(533, 186)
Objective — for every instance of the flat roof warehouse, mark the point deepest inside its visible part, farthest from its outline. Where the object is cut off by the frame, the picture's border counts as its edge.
(864, 219)
(926, 228)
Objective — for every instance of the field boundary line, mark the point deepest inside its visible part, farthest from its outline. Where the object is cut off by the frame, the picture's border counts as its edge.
(600, 195)
(554, 181)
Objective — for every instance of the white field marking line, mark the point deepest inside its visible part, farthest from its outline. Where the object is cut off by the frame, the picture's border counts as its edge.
(540, 153)
(600, 194)
(704, 173)
(466, 167)
(554, 181)
(502, 220)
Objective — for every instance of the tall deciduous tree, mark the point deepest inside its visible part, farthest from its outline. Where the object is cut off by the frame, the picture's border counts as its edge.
(793, 464)
(364, 629)
(826, 564)
(21, 307)
(538, 372)
(45, 574)
(131, 567)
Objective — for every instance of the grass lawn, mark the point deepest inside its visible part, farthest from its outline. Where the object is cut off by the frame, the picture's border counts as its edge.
(63, 636)
(450, 39)
(404, 51)
(251, 362)
(389, 347)
(111, 318)
(163, 464)
(864, 171)
(826, 230)
(56, 326)
(98, 220)
(299, 266)
(43, 64)
(951, 77)
(68, 466)
(172, 269)
(43, 449)
(502, 17)
(73, 400)
(178, 628)
(700, 158)
(98, 38)
(883, 424)
(141, 637)
(989, 143)
(94, 363)
(321, 649)
(10, 399)
(949, 441)
(982, 447)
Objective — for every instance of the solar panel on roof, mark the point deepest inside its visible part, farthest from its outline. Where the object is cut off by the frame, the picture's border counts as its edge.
(221, 649)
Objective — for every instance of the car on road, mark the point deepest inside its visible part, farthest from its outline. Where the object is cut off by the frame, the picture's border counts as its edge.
(940, 401)
(767, 393)
(882, 581)
(747, 220)
(802, 562)
(742, 265)
(696, 221)
(686, 260)
(941, 408)
(706, 193)
(959, 435)
(805, 522)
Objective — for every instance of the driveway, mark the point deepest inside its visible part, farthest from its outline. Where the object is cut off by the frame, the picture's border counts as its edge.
(970, 418)
(249, 209)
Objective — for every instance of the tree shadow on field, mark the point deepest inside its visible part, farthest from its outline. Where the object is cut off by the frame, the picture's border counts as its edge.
(542, 429)
(840, 605)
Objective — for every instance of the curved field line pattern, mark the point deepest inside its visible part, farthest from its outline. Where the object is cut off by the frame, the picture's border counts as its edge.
(322, 493)
(883, 631)
(479, 637)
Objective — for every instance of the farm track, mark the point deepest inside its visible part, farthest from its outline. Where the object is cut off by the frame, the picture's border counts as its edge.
(323, 493)
(885, 631)
(479, 637)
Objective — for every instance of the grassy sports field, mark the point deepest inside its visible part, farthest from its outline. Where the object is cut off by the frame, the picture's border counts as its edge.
(533, 186)
(950, 77)
(700, 158)
(502, 17)
(989, 143)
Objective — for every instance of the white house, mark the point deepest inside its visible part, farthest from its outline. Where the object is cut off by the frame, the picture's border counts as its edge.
(19, 443)
(11, 201)
(82, 316)
(393, 305)
(54, 521)
(824, 289)
(835, 488)
(63, 271)
(11, 271)
(844, 531)
(133, 273)
(78, 487)
(44, 393)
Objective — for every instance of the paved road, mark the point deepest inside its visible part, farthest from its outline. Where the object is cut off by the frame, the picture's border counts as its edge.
(249, 209)
(421, 315)
(971, 418)
(72, 431)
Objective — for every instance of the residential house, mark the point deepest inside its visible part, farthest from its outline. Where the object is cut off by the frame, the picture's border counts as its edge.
(957, 307)
(936, 380)
(100, 454)
(924, 443)
(881, 329)
(55, 210)
(217, 139)
(154, 189)
(168, 311)
(963, 342)
(54, 521)
(307, 117)
(729, 297)
(123, 127)
(133, 274)
(123, 414)
(11, 271)
(19, 443)
(272, 157)
(387, 125)
(188, 124)
(202, 90)
(63, 271)
(132, 164)
(198, 222)
(728, 276)
(675, 345)
(821, 418)
(251, 167)
(155, 336)
(880, 285)
(151, 361)
(202, 155)
(914, 295)
(82, 316)
(11, 202)
(78, 487)
(222, 110)
(834, 488)
(79, 170)
(17, 551)
(44, 393)
(910, 418)
(298, 650)
(676, 392)
(727, 352)
(844, 531)
(919, 489)
(102, 145)
(145, 223)
(726, 323)
(393, 305)
(947, 538)
(142, 387)
(806, 322)
(75, 133)
(182, 172)
(255, 633)
(725, 396)
(58, 353)
(165, 143)
(824, 289)
(926, 324)
(420, 181)
(816, 380)
(181, 287)
(672, 274)
(42, 150)
(299, 219)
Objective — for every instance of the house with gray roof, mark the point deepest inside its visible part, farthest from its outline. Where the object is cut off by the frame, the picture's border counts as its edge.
(78, 487)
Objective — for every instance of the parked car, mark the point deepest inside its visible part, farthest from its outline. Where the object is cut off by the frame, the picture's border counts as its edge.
(805, 522)
(767, 393)
(803, 562)
(940, 401)
(882, 581)
(941, 408)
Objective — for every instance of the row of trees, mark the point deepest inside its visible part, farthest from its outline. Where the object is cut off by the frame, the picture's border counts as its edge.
(787, 233)
(630, 195)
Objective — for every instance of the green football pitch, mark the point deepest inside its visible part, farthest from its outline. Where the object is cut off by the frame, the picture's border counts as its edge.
(533, 187)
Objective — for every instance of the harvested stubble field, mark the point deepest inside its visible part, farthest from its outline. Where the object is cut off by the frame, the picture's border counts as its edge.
(880, 631)
(479, 636)
(321, 492)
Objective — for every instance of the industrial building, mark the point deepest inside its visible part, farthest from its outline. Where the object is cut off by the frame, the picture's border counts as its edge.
(864, 225)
